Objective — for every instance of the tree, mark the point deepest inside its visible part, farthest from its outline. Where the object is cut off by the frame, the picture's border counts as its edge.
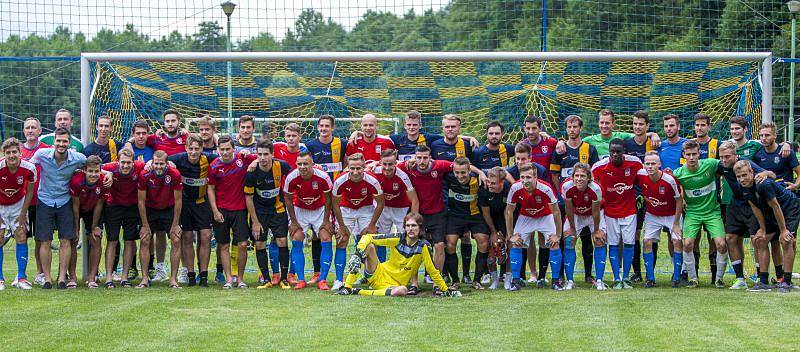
(209, 37)
(313, 33)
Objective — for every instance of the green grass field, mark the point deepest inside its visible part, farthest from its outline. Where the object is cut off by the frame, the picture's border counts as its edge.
(159, 318)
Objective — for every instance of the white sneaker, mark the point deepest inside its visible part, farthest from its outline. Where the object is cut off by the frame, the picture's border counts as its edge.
(532, 280)
(486, 279)
(337, 285)
(183, 275)
(24, 285)
(600, 285)
(739, 284)
(2, 285)
(494, 284)
(39, 279)
(428, 279)
(570, 285)
(160, 275)
(507, 281)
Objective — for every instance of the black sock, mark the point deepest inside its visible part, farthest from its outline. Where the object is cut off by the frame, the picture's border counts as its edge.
(262, 258)
(116, 256)
(763, 277)
(133, 262)
(697, 264)
(480, 263)
(503, 268)
(283, 258)
(203, 274)
(466, 257)
(152, 259)
(544, 261)
(562, 244)
(316, 249)
(191, 275)
(524, 264)
(451, 265)
(655, 253)
(712, 259)
(219, 267)
(637, 257)
(738, 269)
(779, 271)
(787, 277)
(587, 251)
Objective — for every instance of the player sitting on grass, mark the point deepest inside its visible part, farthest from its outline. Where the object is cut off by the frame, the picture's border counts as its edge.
(408, 252)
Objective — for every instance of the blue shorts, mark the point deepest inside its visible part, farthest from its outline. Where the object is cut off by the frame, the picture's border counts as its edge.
(48, 219)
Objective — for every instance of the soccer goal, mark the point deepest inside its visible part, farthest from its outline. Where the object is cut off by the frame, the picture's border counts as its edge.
(283, 87)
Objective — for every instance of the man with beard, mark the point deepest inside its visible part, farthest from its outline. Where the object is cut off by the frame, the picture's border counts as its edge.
(670, 150)
(370, 144)
(493, 153)
(245, 139)
(172, 140)
(207, 131)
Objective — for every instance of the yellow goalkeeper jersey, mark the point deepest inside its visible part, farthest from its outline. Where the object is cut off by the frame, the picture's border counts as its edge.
(404, 259)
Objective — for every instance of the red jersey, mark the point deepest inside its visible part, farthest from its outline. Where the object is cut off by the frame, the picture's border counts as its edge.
(27, 154)
(228, 180)
(429, 184)
(160, 190)
(535, 204)
(394, 188)
(581, 200)
(372, 150)
(356, 195)
(15, 184)
(169, 145)
(660, 195)
(308, 194)
(281, 152)
(542, 153)
(617, 184)
(88, 195)
(123, 190)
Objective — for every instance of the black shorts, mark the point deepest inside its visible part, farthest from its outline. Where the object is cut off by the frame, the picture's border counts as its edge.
(48, 219)
(278, 224)
(792, 218)
(196, 217)
(435, 225)
(640, 213)
(86, 217)
(125, 218)
(160, 220)
(739, 220)
(458, 225)
(236, 222)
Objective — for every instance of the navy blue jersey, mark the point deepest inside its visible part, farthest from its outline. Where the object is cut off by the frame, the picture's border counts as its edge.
(782, 167)
(485, 158)
(107, 153)
(144, 154)
(709, 149)
(193, 176)
(407, 148)
(761, 193)
(496, 202)
(329, 156)
(541, 172)
(440, 150)
(212, 150)
(265, 187)
(562, 164)
(637, 150)
(735, 186)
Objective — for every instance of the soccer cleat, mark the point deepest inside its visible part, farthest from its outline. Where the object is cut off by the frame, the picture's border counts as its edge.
(14, 283)
(133, 273)
(183, 274)
(600, 285)
(24, 285)
(507, 281)
(300, 285)
(570, 285)
(494, 285)
(220, 277)
(337, 285)
(285, 285)
(323, 285)
(276, 278)
(314, 278)
(162, 276)
(533, 280)
(783, 287)
(692, 284)
(626, 284)
(241, 285)
(541, 283)
(203, 282)
(47, 285)
(760, 287)
(557, 286)
(39, 279)
(515, 286)
(649, 284)
(292, 278)
(227, 286)
(413, 290)
(588, 279)
(739, 284)
(466, 280)
(719, 283)
(486, 279)
(2, 285)
(476, 285)
(428, 279)
(261, 279)
(618, 285)
(636, 277)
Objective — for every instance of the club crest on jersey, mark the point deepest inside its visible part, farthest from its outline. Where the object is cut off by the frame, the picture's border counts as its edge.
(544, 149)
(97, 191)
(627, 172)
(239, 162)
(179, 140)
(777, 160)
(434, 173)
(395, 186)
(378, 149)
(538, 199)
(314, 185)
(363, 191)
(167, 179)
(20, 180)
(661, 190)
(586, 197)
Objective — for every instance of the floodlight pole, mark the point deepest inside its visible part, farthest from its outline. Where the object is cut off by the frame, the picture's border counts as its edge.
(794, 6)
(228, 8)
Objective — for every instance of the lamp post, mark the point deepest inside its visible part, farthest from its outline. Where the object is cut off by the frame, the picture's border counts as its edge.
(794, 6)
(228, 8)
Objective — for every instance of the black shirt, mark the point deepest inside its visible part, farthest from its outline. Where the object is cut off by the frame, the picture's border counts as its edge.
(496, 202)
(104, 151)
(462, 200)
(195, 176)
(267, 196)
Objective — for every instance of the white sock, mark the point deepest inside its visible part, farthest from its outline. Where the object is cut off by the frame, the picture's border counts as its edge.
(722, 264)
(688, 264)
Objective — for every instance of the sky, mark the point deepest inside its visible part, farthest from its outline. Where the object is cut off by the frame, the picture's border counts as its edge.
(157, 18)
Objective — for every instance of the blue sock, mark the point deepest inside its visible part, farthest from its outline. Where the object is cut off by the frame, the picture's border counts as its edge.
(381, 251)
(600, 261)
(516, 262)
(569, 262)
(555, 263)
(677, 263)
(613, 258)
(339, 262)
(325, 259)
(22, 260)
(648, 265)
(273, 257)
(299, 260)
(627, 260)
(1, 265)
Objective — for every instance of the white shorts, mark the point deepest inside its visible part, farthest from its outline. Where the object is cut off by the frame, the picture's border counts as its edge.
(526, 225)
(621, 228)
(584, 221)
(654, 223)
(357, 220)
(392, 217)
(10, 216)
(310, 219)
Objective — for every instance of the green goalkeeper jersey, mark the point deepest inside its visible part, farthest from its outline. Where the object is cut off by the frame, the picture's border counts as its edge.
(700, 188)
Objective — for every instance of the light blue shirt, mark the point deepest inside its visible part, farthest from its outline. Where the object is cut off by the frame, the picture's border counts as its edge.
(671, 154)
(54, 184)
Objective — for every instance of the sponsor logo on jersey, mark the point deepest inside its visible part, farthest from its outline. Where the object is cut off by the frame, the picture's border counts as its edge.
(655, 202)
(357, 201)
(620, 188)
(10, 192)
(309, 200)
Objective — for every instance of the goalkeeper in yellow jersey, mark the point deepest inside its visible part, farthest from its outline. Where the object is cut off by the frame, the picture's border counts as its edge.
(408, 252)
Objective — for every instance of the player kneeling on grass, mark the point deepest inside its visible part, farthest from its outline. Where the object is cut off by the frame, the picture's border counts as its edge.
(408, 252)
(663, 210)
(539, 213)
(778, 213)
(584, 217)
(18, 179)
(160, 203)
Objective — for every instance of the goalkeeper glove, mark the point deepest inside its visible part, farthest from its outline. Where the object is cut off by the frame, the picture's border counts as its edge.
(452, 292)
(413, 290)
(353, 264)
(346, 291)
